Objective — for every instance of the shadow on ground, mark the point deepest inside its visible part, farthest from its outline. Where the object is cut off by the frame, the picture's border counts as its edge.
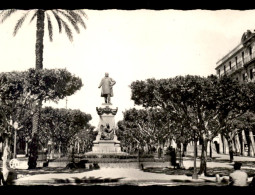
(89, 180)
(211, 172)
(47, 170)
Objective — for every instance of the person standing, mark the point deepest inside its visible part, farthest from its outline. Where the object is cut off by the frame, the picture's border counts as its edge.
(159, 152)
(107, 91)
(238, 177)
(173, 157)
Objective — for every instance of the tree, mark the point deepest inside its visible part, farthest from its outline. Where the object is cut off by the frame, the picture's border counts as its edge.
(45, 85)
(24, 88)
(12, 100)
(188, 101)
(234, 99)
(135, 122)
(84, 139)
(75, 17)
(245, 122)
(62, 125)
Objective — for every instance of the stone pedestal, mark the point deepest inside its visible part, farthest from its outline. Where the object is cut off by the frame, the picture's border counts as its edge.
(106, 141)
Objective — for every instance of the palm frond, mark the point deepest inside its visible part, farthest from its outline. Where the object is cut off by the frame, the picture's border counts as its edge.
(82, 13)
(33, 17)
(19, 23)
(6, 13)
(68, 30)
(77, 17)
(70, 19)
(58, 19)
(50, 28)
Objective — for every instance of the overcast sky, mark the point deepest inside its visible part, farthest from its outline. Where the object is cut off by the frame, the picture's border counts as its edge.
(130, 45)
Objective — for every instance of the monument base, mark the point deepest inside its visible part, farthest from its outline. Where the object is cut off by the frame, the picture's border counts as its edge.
(106, 147)
(106, 142)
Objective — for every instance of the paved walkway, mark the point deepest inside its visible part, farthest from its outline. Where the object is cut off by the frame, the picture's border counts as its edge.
(109, 176)
(134, 176)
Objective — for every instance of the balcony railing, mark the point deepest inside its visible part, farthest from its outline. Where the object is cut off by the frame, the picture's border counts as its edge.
(248, 58)
(234, 68)
(240, 64)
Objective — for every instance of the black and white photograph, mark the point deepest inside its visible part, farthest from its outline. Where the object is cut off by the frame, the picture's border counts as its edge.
(135, 97)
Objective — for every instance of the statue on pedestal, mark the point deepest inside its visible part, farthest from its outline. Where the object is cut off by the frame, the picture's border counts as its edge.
(106, 140)
(106, 84)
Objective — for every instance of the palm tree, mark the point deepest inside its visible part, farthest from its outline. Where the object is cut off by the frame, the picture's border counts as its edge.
(74, 17)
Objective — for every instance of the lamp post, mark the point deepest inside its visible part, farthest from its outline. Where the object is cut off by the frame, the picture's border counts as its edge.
(182, 140)
(49, 149)
(195, 176)
(15, 125)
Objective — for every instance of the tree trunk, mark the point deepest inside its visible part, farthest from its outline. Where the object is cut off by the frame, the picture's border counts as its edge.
(203, 157)
(26, 148)
(33, 153)
(39, 39)
(195, 176)
(230, 148)
(138, 157)
(248, 140)
(6, 152)
(179, 146)
(210, 148)
(184, 148)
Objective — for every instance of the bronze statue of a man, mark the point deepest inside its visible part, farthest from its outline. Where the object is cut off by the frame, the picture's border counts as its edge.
(106, 84)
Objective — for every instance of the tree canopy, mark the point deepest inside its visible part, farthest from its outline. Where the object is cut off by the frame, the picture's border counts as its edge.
(61, 125)
(198, 105)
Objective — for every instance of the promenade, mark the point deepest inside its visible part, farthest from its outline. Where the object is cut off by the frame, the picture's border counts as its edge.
(133, 176)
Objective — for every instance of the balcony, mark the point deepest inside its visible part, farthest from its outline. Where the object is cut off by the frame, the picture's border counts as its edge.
(245, 62)
(234, 68)
(248, 59)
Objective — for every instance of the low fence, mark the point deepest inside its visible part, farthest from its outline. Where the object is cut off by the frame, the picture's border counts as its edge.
(120, 164)
(110, 160)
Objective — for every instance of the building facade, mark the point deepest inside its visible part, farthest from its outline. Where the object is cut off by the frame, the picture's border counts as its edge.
(239, 63)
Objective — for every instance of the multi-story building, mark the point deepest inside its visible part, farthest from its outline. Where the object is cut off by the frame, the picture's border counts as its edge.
(239, 63)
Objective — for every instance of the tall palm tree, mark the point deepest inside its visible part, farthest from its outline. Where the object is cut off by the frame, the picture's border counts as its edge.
(74, 17)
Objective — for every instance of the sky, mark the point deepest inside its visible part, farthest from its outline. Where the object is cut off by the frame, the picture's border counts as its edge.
(130, 45)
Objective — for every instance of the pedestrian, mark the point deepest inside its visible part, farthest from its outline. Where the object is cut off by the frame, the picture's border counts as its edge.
(173, 157)
(159, 152)
(238, 177)
(154, 149)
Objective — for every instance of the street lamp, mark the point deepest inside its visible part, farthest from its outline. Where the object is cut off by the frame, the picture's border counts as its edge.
(195, 176)
(182, 140)
(15, 126)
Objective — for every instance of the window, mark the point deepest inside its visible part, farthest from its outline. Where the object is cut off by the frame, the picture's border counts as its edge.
(236, 60)
(243, 56)
(224, 69)
(230, 65)
(251, 74)
(250, 50)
